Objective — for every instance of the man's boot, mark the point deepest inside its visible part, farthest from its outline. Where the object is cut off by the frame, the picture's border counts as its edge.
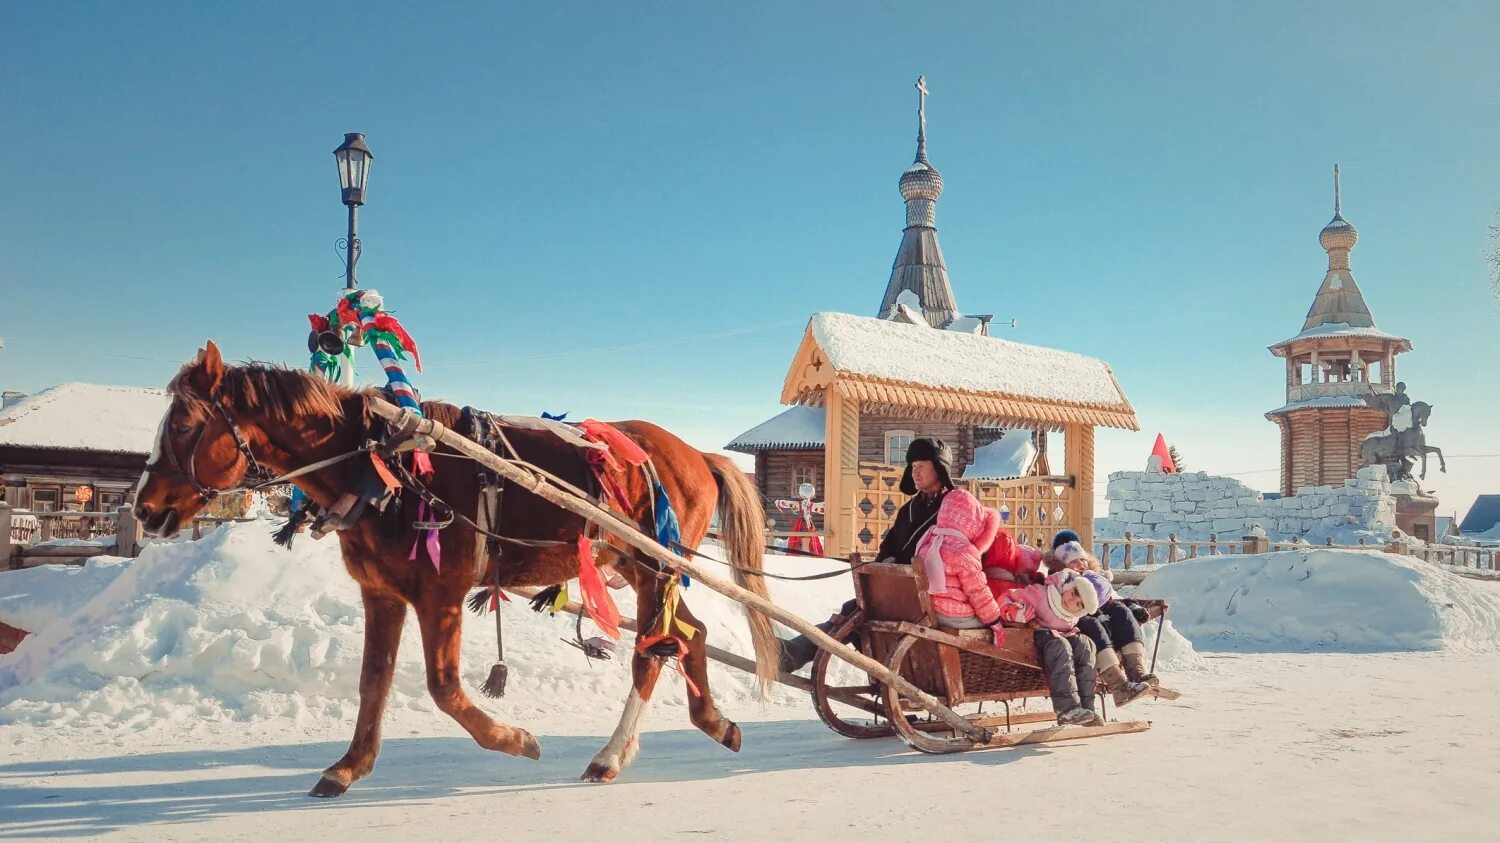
(1133, 656)
(798, 652)
(1121, 689)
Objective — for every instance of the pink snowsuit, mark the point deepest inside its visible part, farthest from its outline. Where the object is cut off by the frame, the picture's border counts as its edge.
(950, 553)
(1041, 603)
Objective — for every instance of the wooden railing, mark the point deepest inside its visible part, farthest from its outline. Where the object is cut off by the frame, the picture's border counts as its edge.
(1032, 508)
(27, 538)
(1140, 551)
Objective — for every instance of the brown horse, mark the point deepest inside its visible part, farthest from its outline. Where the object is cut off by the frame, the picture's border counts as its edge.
(225, 418)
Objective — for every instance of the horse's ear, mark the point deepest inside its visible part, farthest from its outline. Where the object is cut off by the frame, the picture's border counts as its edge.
(207, 374)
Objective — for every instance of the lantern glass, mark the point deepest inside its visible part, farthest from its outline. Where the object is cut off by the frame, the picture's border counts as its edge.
(354, 167)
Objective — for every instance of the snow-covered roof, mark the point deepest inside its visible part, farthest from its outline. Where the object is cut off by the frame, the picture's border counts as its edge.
(1333, 401)
(916, 354)
(85, 416)
(1341, 329)
(799, 428)
(1010, 456)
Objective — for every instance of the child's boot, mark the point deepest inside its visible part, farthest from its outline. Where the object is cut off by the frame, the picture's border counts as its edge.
(1133, 655)
(1116, 681)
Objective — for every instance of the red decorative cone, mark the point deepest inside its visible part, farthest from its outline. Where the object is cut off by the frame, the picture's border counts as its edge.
(1161, 450)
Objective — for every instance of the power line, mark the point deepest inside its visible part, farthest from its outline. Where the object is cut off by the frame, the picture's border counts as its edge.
(93, 353)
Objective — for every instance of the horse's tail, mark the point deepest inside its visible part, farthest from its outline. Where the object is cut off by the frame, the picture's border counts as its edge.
(742, 528)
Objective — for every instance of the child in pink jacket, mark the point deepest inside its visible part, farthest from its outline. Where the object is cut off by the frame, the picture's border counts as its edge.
(949, 554)
(1056, 606)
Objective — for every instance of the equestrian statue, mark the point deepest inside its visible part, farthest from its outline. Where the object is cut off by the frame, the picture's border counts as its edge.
(1403, 441)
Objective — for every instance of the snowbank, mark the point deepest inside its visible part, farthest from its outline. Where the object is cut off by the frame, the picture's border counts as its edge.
(33, 598)
(234, 628)
(1327, 600)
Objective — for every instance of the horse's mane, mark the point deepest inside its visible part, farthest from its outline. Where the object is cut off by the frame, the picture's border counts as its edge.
(281, 393)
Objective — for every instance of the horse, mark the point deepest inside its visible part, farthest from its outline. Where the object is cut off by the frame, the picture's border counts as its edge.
(225, 420)
(1408, 440)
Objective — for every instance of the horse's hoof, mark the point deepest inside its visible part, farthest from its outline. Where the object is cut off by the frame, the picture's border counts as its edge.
(327, 788)
(731, 739)
(600, 773)
(530, 748)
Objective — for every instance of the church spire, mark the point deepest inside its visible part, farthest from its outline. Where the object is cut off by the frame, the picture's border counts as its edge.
(1339, 300)
(919, 268)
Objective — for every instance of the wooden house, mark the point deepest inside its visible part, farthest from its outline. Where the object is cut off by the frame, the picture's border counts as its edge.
(863, 387)
(77, 446)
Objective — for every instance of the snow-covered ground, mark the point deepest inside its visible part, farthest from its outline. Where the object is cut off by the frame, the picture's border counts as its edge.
(197, 692)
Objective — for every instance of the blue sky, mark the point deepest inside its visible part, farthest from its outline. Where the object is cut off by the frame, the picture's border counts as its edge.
(1144, 183)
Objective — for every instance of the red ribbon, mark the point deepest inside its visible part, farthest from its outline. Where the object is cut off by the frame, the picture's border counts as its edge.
(596, 599)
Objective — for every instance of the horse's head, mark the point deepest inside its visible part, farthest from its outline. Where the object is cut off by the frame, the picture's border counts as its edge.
(1421, 411)
(200, 450)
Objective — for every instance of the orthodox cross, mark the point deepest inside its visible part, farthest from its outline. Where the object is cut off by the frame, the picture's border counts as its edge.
(1335, 190)
(921, 105)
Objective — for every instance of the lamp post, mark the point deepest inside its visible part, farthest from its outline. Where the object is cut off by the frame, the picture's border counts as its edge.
(354, 171)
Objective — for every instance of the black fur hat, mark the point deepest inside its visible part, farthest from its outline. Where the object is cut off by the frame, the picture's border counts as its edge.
(934, 450)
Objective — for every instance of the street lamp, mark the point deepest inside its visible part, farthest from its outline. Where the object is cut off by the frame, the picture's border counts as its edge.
(354, 170)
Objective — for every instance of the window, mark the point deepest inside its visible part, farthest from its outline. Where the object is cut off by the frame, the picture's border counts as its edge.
(110, 501)
(896, 443)
(43, 500)
(803, 474)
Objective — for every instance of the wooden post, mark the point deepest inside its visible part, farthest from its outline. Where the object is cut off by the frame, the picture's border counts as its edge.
(127, 532)
(840, 469)
(7, 560)
(1127, 550)
(1171, 547)
(1078, 463)
(1150, 552)
(1257, 544)
(631, 535)
(1213, 544)
(44, 527)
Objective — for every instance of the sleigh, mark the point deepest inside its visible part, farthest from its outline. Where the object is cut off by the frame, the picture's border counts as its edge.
(895, 625)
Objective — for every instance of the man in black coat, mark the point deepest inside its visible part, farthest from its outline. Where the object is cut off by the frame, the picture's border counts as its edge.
(928, 477)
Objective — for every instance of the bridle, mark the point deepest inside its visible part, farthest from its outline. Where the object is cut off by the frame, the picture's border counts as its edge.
(260, 476)
(189, 475)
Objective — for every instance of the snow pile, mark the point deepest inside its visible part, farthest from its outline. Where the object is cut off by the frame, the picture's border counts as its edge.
(33, 598)
(1325, 600)
(234, 628)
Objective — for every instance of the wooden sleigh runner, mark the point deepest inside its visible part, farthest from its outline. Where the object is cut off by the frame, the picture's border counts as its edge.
(895, 625)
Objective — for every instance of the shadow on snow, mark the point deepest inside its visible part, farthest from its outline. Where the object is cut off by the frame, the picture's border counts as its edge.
(410, 770)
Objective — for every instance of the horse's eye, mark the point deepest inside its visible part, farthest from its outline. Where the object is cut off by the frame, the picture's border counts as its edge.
(182, 429)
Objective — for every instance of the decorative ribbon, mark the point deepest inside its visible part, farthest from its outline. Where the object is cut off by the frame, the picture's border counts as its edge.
(433, 542)
(596, 599)
(674, 629)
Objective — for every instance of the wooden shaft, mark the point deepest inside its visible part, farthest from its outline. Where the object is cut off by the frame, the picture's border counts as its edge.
(734, 660)
(632, 535)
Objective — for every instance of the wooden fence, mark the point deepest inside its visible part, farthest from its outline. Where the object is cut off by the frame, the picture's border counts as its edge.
(1032, 508)
(1139, 551)
(32, 538)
